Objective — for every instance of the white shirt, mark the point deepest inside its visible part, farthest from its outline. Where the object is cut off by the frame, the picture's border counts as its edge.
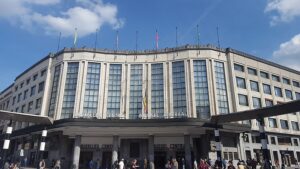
(121, 165)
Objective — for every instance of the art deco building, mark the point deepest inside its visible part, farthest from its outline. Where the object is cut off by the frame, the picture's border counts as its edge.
(151, 104)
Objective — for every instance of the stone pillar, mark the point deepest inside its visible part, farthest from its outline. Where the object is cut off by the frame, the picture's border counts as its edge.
(76, 153)
(151, 151)
(187, 151)
(115, 149)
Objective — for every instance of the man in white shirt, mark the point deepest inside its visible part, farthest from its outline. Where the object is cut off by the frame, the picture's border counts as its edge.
(121, 164)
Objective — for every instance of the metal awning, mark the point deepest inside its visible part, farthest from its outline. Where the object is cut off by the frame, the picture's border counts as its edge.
(279, 109)
(24, 117)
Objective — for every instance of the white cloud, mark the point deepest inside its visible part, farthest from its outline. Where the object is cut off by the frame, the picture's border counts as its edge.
(86, 16)
(288, 53)
(286, 10)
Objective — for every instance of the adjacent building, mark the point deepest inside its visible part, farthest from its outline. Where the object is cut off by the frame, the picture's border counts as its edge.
(151, 104)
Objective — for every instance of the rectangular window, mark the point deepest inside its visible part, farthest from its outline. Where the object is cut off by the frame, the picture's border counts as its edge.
(276, 78)
(70, 90)
(267, 89)
(297, 95)
(41, 87)
(23, 108)
(114, 91)
(278, 91)
(284, 124)
(272, 122)
(256, 102)
(295, 126)
(296, 84)
(30, 106)
(296, 141)
(201, 89)
(288, 94)
(273, 140)
(179, 94)
(264, 75)
(32, 91)
(19, 97)
(136, 91)
(25, 94)
(54, 91)
(90, 104)
(221, 88)
(240, 82)
(254, 86)
(28, 81)
(243, 100)
(14, 100)
(286, 81)
(157, 93)
(35, 77)
(238, 67)
(38, 103)
(268, 102)
(43, 72)
(252, 71)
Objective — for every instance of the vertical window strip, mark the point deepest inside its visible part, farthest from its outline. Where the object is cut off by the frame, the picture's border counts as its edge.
(221, 88)
(70, 90)
(114, 91)
(54, 91)
(157, 90)
(90, 104)
(179, 93)
(201, 89)
(136, 96)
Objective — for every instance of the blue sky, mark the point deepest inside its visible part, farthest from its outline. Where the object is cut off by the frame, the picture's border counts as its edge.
(29, 29)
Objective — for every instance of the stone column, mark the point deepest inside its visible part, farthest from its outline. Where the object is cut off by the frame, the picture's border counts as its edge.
(76, 153)
(151, 151)
(115, 149)
(187, 151)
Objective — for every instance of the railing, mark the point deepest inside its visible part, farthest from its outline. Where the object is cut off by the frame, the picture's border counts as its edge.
(176, 115)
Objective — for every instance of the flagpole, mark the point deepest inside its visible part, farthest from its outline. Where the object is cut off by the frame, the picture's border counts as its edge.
(58, 45)
(218, 40)
(156, 40)
(198, 39)
(176, 38)
(117, 40)
(75, 38)
(96, 39)
(136, 41)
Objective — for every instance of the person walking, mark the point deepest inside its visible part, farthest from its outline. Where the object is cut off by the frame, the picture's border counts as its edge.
(42, 164)
(57, 165)
(134, 164)
(230, 165)
(174, 164)
(121, 164)
(168, 165)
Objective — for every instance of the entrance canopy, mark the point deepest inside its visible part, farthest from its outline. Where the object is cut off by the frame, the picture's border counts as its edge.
(23, 117)
(279, 109)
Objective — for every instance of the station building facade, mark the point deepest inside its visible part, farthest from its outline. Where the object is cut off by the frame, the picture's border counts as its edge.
(109, 105)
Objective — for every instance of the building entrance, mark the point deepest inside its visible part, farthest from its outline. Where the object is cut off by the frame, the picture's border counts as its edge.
(85, 158)
(160, 159)
(180, 158)
(106, 160)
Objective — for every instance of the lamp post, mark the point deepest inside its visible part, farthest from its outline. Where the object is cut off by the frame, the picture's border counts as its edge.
(7, 140)
(43, 143)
